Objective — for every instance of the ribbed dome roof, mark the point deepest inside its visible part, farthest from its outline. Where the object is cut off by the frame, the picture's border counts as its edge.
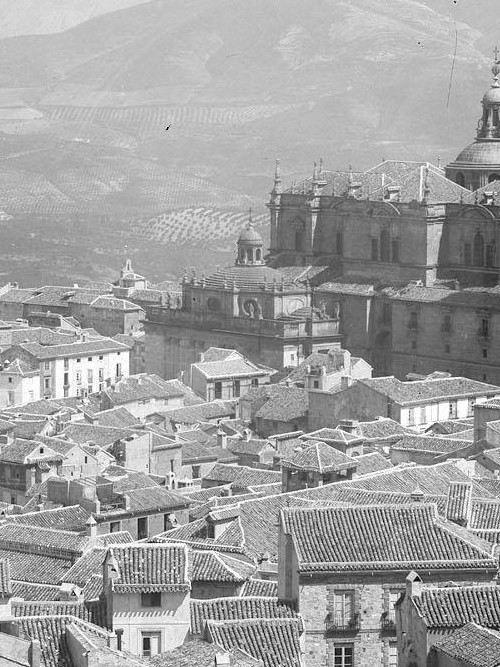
(247, 276)
(249, 236)
(481, 153)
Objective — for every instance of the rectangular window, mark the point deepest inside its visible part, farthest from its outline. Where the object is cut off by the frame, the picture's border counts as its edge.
(10, 380)
(12, 398)
(413, 345)
(237, 388)
(485, 327)
(196, 472)
(411, 417)
(471, 402)
(142, 528)
(65, 392)
(151, 599)
(413, 323)
(446, 326)
(114, 526)
(218, 389)
(78, 377)
(66, 364)
(78, 360)
(423, 415)
(47, 384)
(118, 370)
(485, 353)
(255, 382)
(316, 384)
(343, 608)
(101, 375)
(343, 655)
(395, 250)
(453, 410)
(171, 465)
(150, 644)
(374, 250)
(101, 357)
(89, 358)
(447, 348)
(46, 365)
(90, 376)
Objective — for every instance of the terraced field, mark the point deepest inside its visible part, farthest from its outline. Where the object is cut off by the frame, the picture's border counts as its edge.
(192, 225)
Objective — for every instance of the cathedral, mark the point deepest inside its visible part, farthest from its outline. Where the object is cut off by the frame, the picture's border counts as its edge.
(398, 264)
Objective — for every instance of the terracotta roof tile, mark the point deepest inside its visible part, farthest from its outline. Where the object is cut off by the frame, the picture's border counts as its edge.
(5, 580)
(274, 641)
(72, 517)
(319, 457)
(150, 567)
(87, 565)
(241, 476)
(86, 611)
(471, 645)
(44, 540)
(364, 538)
(260, 588)
(454, 606)
(35, 568)
(216, 567)
(236, 609)
(30, 591)
(433, 444)
(373, 462)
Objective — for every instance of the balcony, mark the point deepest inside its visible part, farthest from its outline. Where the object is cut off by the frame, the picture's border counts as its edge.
(388, 625)
(336, 623)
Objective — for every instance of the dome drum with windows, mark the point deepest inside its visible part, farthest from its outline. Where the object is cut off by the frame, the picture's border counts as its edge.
(250, 245)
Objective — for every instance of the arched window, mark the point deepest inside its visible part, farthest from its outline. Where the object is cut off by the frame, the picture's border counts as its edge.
(460, 179)
(493, 177)
(242, 255)
(249, 255)
(478, 249)
(385, 246)
(258, 254)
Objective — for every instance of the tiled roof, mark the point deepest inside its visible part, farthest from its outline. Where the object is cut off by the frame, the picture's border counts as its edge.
(73, 517)
(91, 612)
(193, 451)
(129, 481)
(35, 568)
(235, 609)
(192, 414)
(89, 564)
(433, 444)
(27, 451)
(331, 435)
(274, 641)
(471, 645)
(458, 503)
(285, 404)
(373, 462)
(154, 498)
(360, 538)
(228, 368)
(37, 592)
(219, 354)
(83, 348)
(142, 386)
(214, 567)
(241, 476)
(485, 515)
(358, 289)
(196, 651)
(260, 588)
(50, 631)
(492, 486)
(116, 418)
(5, 580)
(406, 393)
(93, 588)
(454, 606)
(44, 539)
(98, 435)
(120, 537)
(319, 457)
(450, 426)
(112, 303)
(493, 455)
(150, 567)
(254, 447)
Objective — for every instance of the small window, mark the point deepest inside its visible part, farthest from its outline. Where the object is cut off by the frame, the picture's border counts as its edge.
(86, 459)
(471, 402)
(453, 410)
(171, 465)
(10, 380)
(485, 353)
(41, 450)
(101, 357)
(78, 360)
(13, 500)
(237, 388)
(142, 528)
(485, 327)
(114, 527)
(89, 358)
(196, 472)
(255, 382)
(218, 389)
(413, 323)
(151, 599)
(343, 655)
(316, 384)
(46, 365)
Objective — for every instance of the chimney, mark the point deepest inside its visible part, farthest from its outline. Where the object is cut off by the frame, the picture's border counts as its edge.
(113, 640)
(91, 527)
(413, 584)
(221, 439)
(349, 426)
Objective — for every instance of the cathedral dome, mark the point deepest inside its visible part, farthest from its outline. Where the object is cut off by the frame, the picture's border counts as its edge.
(485, 153)
(249, 236)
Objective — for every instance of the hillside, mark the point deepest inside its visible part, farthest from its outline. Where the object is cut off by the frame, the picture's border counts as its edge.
(84, 111)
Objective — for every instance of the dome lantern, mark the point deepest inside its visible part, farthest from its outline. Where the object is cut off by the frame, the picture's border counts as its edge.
(250, 245)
